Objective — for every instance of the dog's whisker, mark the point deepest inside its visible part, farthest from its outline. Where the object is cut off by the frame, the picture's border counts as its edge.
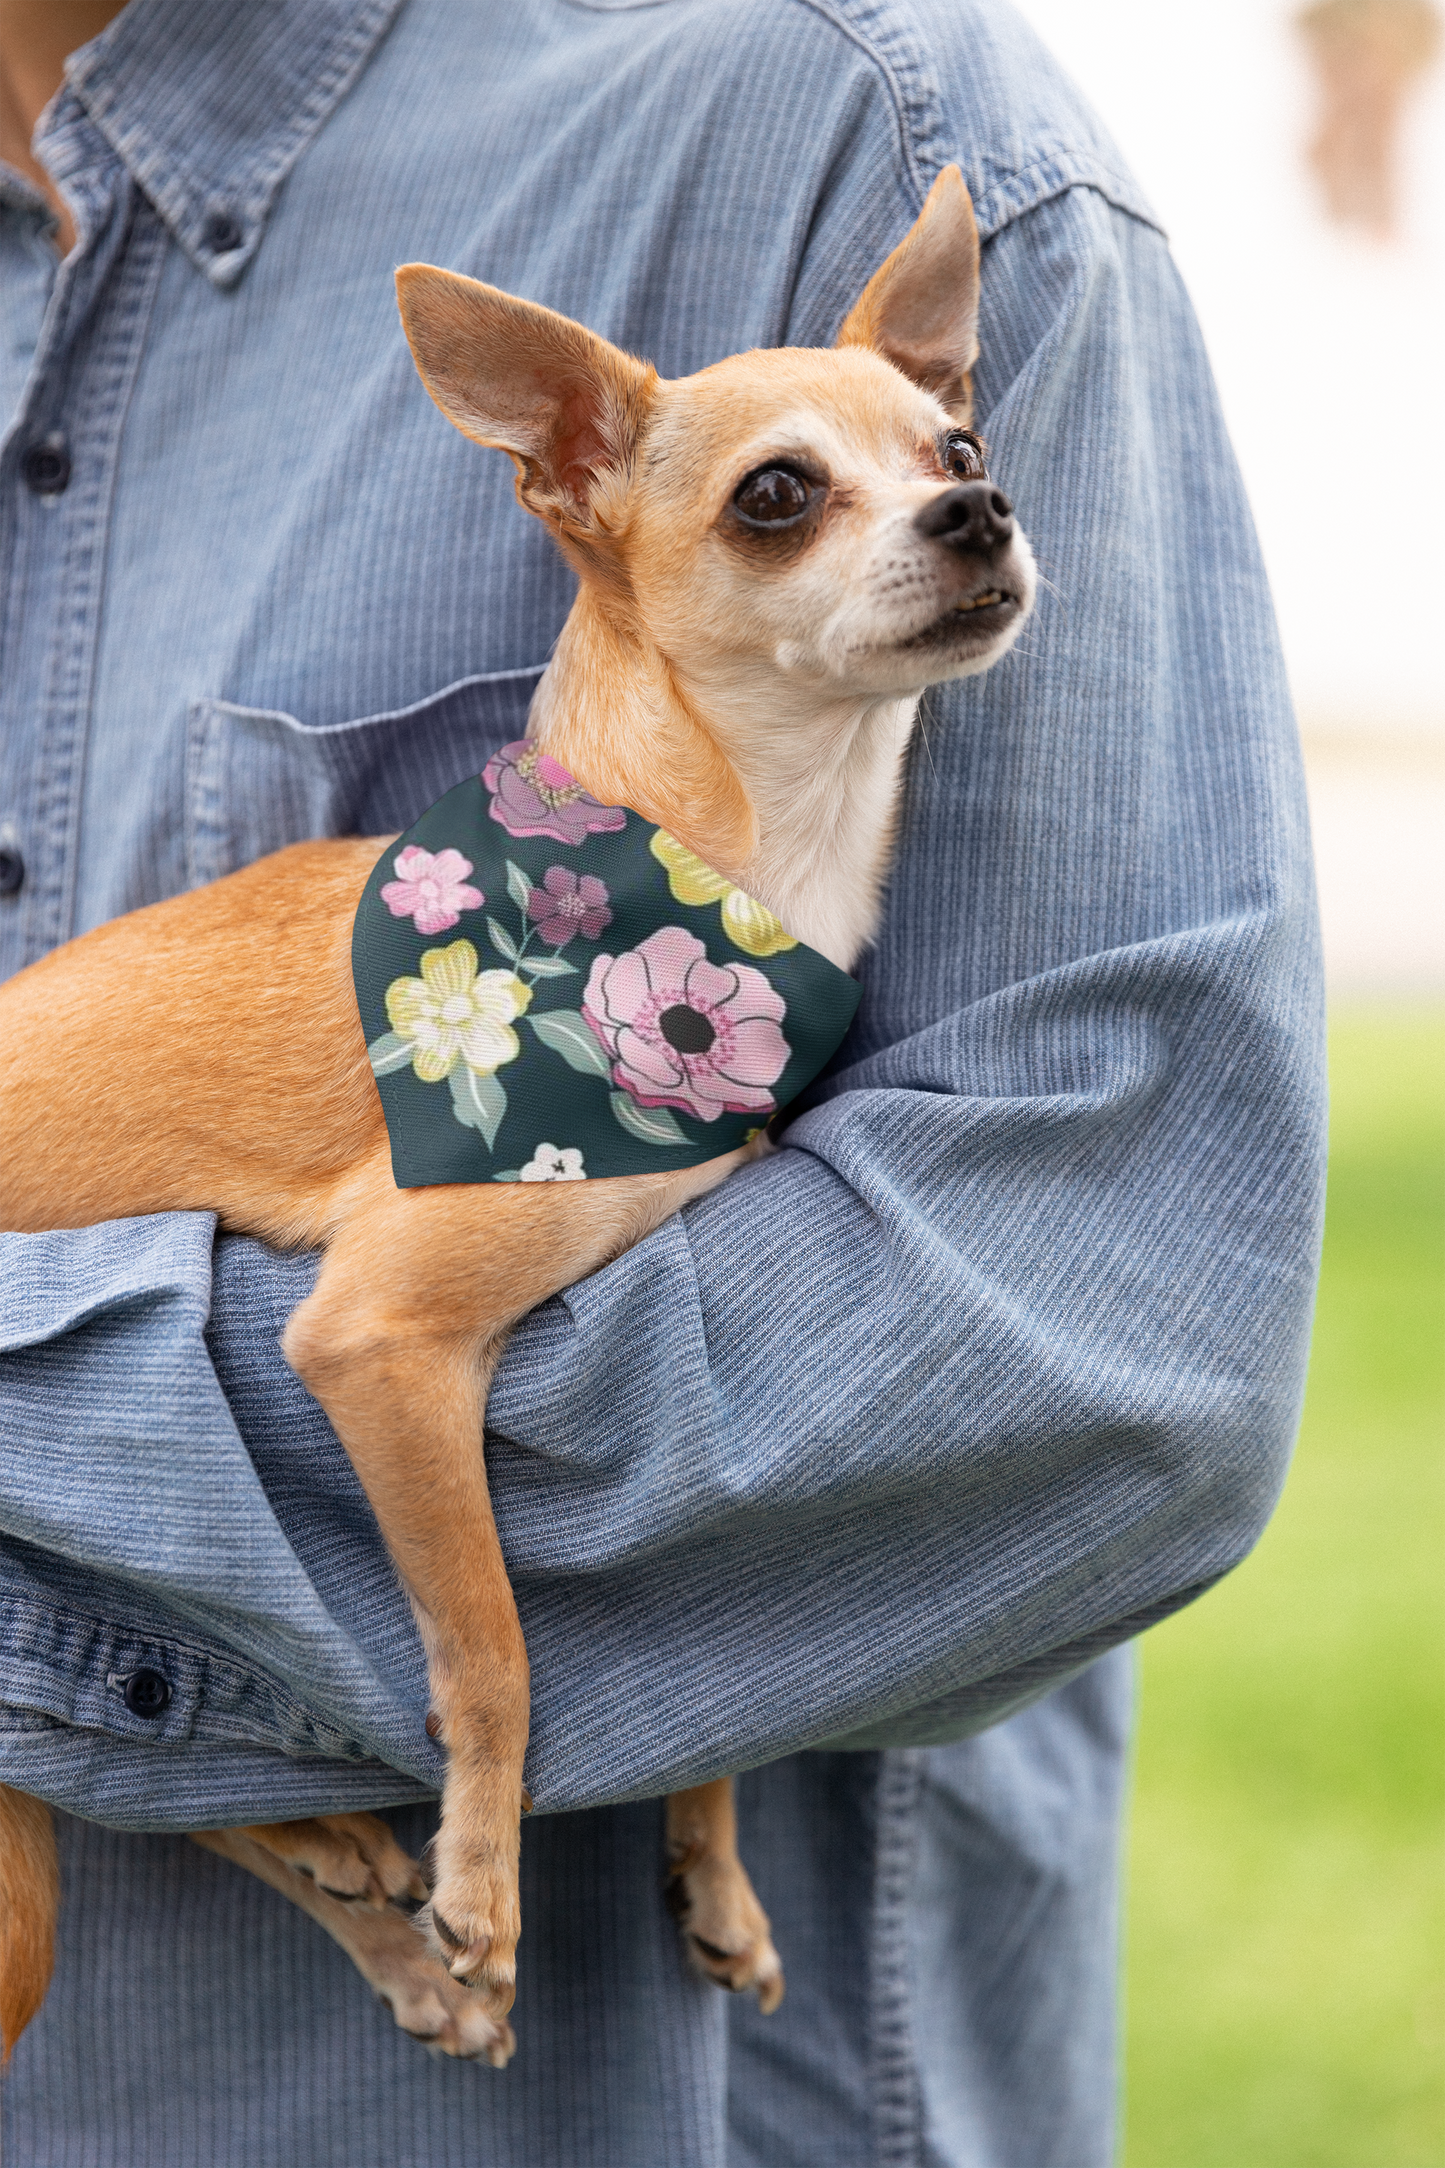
(923, 733)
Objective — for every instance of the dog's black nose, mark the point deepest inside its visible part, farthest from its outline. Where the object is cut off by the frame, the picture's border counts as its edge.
(975, 517)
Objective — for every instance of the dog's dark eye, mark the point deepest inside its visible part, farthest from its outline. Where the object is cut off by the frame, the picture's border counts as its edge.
(772, 497)
(963, 456)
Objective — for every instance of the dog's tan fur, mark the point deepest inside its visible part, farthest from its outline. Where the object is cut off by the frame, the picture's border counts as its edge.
(350, 1874)
(29, 1901)
(753, 697)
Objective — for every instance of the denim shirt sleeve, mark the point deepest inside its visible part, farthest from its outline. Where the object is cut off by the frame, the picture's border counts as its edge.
(1000, 1360)
(996, 1361)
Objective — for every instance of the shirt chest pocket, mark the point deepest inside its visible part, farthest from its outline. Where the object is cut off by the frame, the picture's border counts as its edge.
(257, 779)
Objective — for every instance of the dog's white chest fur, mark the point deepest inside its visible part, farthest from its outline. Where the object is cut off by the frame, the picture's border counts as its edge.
(826, 803)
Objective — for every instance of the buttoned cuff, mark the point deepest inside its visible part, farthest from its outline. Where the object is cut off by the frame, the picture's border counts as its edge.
(168, 1658)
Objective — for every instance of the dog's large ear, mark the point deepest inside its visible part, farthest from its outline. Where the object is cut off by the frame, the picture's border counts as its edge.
(567, 405)
(920, 308)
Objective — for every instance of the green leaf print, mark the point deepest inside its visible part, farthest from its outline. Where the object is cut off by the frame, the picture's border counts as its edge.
(478, 1101)
(653, 1124)
(569, 1034)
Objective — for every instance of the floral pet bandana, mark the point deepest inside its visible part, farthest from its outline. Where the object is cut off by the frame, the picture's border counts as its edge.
(608, 1005)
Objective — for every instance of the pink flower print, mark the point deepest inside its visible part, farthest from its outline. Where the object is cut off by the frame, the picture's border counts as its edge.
(432, 890)
(533, 795)
(683, 1032)
(565, 905)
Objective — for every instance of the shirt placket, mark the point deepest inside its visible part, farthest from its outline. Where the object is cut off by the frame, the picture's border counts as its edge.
(57, 474)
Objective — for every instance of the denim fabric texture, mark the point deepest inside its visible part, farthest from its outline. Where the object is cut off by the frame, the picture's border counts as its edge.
(893, 1436)
(948, 1918)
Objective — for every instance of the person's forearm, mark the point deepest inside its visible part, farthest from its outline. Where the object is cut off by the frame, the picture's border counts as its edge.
(1001, 1356)
(1003, 1359)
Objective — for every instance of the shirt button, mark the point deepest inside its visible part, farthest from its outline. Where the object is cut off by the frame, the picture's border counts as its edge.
(222, 234)
(46, 468)
(147, 1693)
(12, 870)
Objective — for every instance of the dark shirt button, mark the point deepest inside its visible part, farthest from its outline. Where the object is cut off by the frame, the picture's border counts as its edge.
(12, 870)
(223, 233)
(147, 1693)
(47, 469)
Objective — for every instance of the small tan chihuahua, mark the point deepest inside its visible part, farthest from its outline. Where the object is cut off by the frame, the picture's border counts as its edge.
(776, 556)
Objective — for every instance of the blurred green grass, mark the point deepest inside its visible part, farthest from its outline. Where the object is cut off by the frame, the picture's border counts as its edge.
(1286, 1934)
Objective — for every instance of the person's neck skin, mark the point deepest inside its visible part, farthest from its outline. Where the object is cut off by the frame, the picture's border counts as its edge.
(35, 38)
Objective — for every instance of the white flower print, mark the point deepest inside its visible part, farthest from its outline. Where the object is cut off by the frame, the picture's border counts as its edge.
(547, 1164)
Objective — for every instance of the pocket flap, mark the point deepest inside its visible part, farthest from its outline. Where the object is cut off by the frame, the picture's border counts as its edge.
(257, 779)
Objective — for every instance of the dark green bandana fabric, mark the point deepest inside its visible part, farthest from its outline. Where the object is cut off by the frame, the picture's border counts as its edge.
(552, 988)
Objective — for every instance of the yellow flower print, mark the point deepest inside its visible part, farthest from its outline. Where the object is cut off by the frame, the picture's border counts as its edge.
(751, 925)
(748, 924)
(453, 1012)
(689, 879)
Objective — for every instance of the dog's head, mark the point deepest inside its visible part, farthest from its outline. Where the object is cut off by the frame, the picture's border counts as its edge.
(820, 517)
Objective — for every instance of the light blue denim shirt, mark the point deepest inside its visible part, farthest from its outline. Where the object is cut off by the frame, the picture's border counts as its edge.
(1000, 1358)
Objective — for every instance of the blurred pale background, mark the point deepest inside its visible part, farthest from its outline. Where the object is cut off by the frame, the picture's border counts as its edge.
(1327, 344)
(1285, 1984)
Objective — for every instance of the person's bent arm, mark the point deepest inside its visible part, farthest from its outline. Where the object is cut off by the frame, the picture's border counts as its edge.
(996, 1361)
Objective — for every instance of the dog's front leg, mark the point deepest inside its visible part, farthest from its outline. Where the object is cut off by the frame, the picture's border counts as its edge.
(398, 1340)
(405, 1389)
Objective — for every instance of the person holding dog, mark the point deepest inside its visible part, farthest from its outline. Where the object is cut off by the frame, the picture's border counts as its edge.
(858, 1476)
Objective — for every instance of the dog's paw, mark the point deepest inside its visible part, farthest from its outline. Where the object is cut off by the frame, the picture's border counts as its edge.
(353, 1857)
(370, 1914)
(472, 1923)
(725, 1931)
(446, 2017)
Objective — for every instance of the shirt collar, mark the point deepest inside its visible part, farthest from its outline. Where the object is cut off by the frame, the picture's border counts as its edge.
(210, 105)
